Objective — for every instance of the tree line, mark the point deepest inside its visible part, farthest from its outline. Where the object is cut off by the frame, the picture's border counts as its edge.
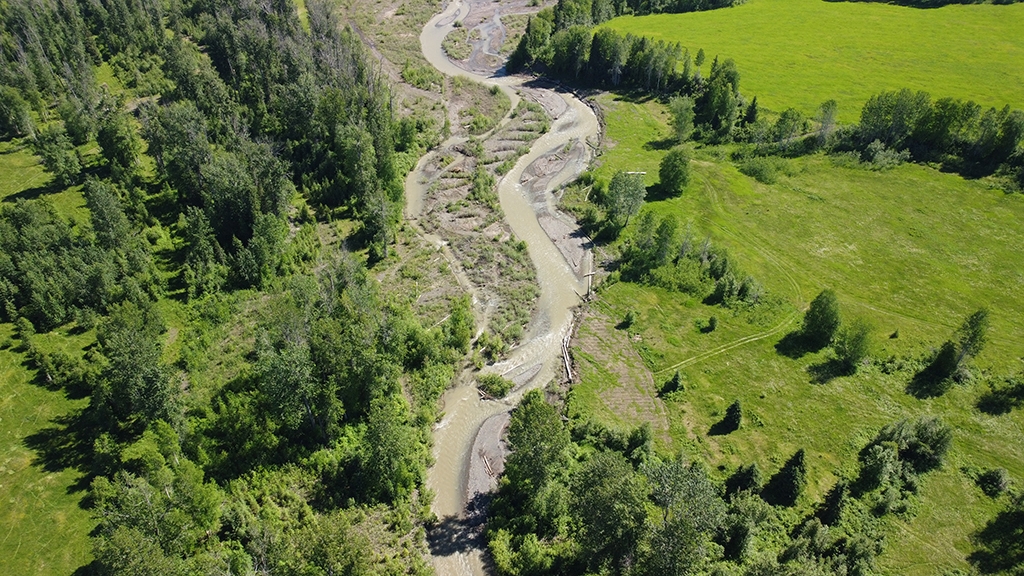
(962, 136)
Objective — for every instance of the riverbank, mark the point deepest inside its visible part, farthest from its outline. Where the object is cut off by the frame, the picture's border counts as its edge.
(467, 442)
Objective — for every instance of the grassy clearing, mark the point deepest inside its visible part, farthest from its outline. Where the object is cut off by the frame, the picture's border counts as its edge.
(633, 132)
(45, 529)
(22, 176)
(800, 53)
(302, 12)
(910, 249)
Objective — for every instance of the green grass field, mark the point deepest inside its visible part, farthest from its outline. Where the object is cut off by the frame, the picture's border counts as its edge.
(800, 53)
(45, 530)
(912, 249)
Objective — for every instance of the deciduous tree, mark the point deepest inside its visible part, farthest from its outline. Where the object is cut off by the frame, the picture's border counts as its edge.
(625, 196)
(675, 170)
(822, 319)
(538, 442)
(852, 343)
(609, 507)
(59, 155)
(681, 110)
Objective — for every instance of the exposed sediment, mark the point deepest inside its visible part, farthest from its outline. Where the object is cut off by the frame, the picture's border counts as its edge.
(469, 453)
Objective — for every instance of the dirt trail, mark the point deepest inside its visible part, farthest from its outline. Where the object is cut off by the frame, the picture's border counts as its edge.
(467, 442)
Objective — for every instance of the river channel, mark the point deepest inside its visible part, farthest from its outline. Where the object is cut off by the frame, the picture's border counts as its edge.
(464, 440)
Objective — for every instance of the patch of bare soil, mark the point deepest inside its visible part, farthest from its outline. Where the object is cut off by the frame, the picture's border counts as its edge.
(390, 29)
(633, 395)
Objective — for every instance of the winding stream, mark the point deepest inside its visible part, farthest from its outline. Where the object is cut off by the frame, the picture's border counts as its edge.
(462, 466)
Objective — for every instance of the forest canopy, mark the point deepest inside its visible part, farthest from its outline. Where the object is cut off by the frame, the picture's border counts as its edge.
(222, 125)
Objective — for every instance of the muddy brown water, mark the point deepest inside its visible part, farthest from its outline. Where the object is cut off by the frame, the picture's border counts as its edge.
(467, 449)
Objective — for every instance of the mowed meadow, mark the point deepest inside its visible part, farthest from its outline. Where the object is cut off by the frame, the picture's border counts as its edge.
(800, 53)
(911, 250)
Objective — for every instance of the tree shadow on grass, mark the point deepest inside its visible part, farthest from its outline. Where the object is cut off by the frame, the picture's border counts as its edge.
(35, 192)
(825, 372)
(996, 402)
(929, 382)
(722, 427)
(1001, 543)
(659, 192)
(1001, 399)
(636, 96)
(93, 568)
(663, 144)
(774, 492)
(67, 444)
(460, 534)
(796, 345)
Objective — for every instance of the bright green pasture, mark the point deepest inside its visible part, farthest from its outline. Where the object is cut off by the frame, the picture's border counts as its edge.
(800, 53)
(45, 531)
(912, 250)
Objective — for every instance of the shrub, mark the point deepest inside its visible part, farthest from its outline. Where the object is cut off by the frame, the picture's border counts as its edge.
(881, 158)
(921, 443)
(831, 510)
(881, 465)
(994, 482)
(744, 478)
(674, 384)
(686, 276)
(786, 486)
(630, 319)
(822, 319)
(733, 416)
(494, 385)
(951, 362)
(764, 169)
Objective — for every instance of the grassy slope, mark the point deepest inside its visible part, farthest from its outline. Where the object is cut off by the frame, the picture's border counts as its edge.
(802, 52)
(45, 531)
(911, 249)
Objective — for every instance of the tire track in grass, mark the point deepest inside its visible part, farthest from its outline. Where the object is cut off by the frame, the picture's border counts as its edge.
(712, 195)
(731, 345)
(713, 220)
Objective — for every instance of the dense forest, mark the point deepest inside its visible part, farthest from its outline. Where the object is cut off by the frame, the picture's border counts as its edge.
(238, 126)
